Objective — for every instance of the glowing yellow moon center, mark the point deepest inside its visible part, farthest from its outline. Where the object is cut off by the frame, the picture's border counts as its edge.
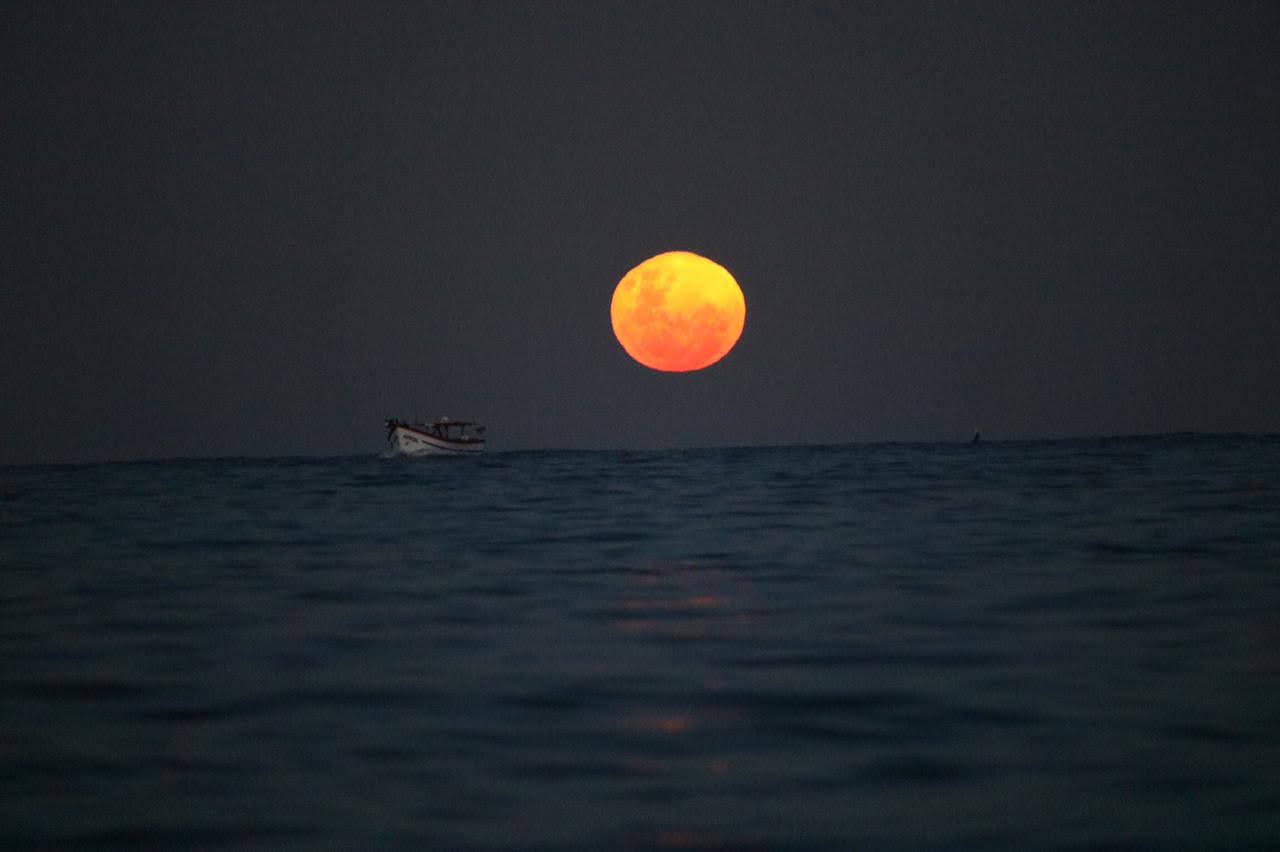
(678, 312)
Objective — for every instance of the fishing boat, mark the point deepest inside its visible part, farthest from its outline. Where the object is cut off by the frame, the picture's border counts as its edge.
(443, 437)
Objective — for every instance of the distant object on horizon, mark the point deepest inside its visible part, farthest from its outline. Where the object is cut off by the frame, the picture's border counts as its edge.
(977, 438)
(443, 437)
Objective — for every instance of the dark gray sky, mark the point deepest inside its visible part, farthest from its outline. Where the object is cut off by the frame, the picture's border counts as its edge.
(261, 229)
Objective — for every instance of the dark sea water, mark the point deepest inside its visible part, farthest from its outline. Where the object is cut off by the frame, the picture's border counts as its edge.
(1043, 645)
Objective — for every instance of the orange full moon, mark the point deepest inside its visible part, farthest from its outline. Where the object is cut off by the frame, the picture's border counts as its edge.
(677, 312)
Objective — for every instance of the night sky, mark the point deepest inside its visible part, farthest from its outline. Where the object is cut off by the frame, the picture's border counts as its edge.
(262, 229)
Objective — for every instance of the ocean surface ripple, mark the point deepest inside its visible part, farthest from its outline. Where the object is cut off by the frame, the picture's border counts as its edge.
(1015, 645)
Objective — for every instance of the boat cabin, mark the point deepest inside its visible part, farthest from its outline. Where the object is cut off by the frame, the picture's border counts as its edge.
(460, 431)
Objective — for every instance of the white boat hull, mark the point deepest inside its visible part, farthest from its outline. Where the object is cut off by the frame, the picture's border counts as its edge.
(411, 442)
